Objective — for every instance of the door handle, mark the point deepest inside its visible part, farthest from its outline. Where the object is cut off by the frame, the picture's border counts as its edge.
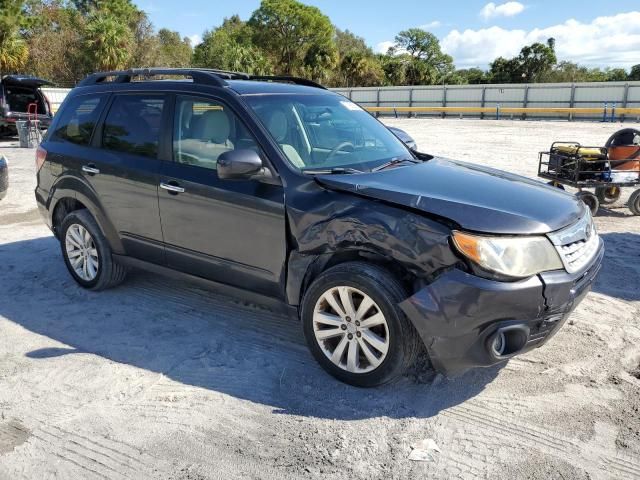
(172, 188)
(91, 170)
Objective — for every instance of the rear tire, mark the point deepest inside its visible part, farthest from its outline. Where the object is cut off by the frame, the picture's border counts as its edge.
(383, 341)
(590, 200)
(608, 195)
(87, 253)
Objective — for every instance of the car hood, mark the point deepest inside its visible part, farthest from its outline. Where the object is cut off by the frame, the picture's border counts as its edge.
(476, 198)
(25, 81)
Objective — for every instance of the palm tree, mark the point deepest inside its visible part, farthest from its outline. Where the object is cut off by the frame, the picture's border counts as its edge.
(13, 54)
(109, 43)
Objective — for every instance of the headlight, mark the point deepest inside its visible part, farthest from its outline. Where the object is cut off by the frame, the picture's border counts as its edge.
(517, 257)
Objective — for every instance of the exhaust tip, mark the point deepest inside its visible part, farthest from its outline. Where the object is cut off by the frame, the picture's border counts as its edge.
(507, 341)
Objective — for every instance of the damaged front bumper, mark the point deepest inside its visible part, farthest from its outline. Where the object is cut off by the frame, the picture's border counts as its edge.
(458, 315)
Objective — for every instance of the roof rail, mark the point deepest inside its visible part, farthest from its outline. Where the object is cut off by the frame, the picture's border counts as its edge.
(284, 78)
(206, 76)
(203, 76)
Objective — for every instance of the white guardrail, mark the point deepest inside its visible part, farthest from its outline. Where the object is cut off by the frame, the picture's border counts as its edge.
(595, 100)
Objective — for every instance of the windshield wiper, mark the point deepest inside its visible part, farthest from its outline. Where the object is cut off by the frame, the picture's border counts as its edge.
(393, 161)
(330, 171)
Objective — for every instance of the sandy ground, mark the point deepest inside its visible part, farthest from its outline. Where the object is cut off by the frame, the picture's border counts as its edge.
(159, 379)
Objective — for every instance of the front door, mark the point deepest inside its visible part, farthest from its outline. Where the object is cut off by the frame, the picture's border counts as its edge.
(230, 231)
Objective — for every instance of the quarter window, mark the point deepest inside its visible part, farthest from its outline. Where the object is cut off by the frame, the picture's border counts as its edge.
(133, 124)
(204, 130)
(78, 119)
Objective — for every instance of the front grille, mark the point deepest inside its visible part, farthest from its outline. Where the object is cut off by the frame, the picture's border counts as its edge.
(577, 244)
(577, 255)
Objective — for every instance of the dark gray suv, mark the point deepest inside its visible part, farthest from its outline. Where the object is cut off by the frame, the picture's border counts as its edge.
(277, 190)
(19, 94)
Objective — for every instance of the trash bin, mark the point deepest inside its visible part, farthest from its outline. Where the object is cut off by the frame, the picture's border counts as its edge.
(23, 133)
(27, 139)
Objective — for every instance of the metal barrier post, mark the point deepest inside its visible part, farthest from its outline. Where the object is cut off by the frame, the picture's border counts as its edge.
(604, 114)
(484, 89)
(498, 111)
(613, 112)
(572, 99)
(444, 99)
(625, 99)
(377, 102)
(411, 101)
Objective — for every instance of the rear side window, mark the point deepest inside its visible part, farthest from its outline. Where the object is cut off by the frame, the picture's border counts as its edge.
(133, 124)
(78, 118)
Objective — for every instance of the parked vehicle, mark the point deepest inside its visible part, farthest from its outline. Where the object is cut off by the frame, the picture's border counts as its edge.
(17, 93)
(4, 177)
(405, 137)
(283, 192)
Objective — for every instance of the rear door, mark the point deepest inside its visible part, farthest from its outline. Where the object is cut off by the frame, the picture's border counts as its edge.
(230, 231)
(124, 170)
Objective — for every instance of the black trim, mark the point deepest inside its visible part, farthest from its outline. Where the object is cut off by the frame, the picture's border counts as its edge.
(239, 293)
(203, 76)
(284, 78)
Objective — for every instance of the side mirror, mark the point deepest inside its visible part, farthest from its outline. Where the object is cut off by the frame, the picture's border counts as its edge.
(239, 164)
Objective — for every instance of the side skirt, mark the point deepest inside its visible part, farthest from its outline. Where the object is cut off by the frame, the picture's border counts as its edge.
(235, 292)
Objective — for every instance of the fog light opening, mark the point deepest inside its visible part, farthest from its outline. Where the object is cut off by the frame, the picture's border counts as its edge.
(507, 341)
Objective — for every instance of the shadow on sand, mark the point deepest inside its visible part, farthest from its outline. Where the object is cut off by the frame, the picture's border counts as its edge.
(199, 338)
(620, 273)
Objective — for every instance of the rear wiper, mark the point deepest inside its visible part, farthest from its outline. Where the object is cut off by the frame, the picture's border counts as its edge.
(330, 171)
(392, 162)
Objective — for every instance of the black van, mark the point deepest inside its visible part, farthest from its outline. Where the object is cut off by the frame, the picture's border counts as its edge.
(280, 191)
(17, 92)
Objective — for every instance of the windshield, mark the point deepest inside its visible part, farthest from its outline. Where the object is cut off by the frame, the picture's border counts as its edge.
(326, 131)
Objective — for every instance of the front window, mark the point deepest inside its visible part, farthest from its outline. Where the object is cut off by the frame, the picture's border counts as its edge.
(326, 131)
(205, 129)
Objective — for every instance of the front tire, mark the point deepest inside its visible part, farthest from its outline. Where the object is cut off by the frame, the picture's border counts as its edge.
(87, 253)
(354, 327)
(590, 200)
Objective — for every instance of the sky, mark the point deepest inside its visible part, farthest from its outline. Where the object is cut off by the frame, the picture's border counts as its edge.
(591, 32)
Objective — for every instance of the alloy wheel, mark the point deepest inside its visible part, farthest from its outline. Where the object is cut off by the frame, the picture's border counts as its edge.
(351, 329)
(82, 252)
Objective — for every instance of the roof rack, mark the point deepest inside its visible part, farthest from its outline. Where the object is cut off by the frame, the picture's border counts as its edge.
(206, 76)
(124, 76)
(284, 78)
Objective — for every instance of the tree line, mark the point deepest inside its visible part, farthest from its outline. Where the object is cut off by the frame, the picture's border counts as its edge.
(64, 40)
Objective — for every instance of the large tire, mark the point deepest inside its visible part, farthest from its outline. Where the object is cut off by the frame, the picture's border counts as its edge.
(590, 200)
(102, 271)
(361, 280)
(634, 202)
(608, 195)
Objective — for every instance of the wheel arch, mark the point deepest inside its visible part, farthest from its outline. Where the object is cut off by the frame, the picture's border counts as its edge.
(70, 194)
(304, 269)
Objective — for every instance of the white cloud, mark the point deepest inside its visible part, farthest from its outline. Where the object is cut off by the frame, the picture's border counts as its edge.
(508, 9)
(427, 26)
(382, 47)
(605, 41)
(195, 39)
